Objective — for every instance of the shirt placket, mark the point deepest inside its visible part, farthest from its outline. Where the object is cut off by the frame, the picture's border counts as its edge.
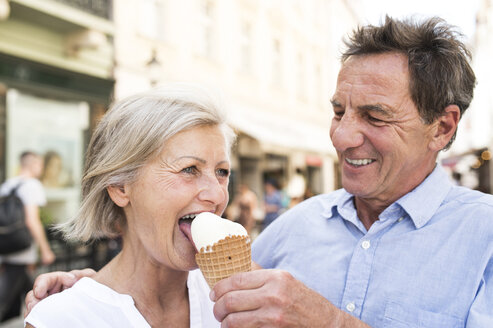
(360, 266)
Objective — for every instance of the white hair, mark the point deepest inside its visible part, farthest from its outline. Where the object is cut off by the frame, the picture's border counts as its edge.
(132, 132)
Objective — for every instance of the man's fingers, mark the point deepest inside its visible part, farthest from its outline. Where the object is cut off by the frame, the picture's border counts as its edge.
(238, 281)
(83, 273)
(51, 283)
(30, 301)
(235, 302)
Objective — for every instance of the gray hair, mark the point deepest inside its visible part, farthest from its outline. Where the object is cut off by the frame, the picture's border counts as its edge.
(439, 69)
(132, 132)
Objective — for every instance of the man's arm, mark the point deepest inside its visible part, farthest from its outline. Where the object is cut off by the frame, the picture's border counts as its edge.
(33, 223)
(274, 298)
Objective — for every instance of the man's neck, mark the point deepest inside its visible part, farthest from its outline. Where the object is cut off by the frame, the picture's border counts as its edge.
(367, 211)
(370, 208)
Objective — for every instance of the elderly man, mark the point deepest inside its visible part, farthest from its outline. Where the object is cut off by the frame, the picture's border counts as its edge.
(400, 245)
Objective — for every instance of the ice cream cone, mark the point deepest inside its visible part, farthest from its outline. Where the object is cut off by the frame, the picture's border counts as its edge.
(226, 257)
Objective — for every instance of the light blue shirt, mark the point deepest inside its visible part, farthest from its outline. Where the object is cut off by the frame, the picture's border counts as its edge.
(427, 261)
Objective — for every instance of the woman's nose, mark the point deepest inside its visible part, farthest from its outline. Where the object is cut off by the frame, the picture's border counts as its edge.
(212, 190)
(346, 132)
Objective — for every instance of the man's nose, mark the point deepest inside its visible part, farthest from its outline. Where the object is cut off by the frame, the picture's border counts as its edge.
(211, 190)
(347, 132)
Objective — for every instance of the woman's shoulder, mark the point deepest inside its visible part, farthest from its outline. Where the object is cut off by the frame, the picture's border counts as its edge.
(87, 303)
(56, 310)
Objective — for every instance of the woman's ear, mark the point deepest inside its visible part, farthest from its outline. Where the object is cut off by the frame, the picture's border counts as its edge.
(118, 195)
(446, 125)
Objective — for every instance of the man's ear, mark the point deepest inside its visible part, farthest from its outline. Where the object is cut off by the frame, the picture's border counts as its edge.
(445, 127)
(118, 195)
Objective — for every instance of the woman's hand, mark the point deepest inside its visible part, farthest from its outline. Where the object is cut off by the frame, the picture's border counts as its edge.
(50, 283)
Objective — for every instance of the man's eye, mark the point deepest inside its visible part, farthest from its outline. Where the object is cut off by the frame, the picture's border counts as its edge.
(338, 115)
(371, 118)
(190, 170)
(374, 119)
(222, 173)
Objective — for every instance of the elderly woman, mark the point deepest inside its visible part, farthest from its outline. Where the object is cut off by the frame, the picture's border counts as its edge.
(155, 160)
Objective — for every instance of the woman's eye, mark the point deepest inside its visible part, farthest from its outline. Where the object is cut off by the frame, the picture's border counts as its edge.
(190, 170)
(223, 172)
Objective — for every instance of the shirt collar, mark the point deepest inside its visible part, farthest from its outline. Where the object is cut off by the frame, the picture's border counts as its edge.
(420, 203)
(423, 201)
(342, 206)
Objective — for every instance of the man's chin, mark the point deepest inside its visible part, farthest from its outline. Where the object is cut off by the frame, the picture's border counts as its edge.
(358, 189)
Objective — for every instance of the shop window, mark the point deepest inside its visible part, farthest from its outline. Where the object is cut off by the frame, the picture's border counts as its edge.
(246, 47)
(206, 29)
(54, 129)
(151, 20)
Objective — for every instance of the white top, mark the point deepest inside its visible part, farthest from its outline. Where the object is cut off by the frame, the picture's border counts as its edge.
(31, 192)
(91, 304)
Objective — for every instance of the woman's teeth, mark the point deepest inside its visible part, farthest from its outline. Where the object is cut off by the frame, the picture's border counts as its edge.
(359, 162)
(188, 218)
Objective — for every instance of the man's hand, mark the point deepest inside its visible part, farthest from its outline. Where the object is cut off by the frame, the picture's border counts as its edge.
(274, 298)
(50, 283)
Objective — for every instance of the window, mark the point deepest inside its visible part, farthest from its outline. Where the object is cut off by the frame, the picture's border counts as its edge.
(56, 130)
(246, 47)
(151, 19)
(276, 63)
(319, 87)
(301, 78)
(206, 30)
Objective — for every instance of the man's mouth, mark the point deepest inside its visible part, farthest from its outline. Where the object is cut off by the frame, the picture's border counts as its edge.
(359, 162)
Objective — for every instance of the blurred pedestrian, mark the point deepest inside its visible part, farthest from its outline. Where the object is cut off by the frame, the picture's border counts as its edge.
(273, 201)
(247, 205)
(54, 175)
(16, 268)
(296, 188)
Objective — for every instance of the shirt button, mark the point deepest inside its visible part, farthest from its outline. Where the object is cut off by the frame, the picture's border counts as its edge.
(366, 244)
(400, 219)
(350, 307)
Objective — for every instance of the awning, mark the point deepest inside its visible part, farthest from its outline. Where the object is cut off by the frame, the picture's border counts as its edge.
(280, 131)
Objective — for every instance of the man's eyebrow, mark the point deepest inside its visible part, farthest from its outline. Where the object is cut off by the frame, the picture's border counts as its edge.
(375, 108)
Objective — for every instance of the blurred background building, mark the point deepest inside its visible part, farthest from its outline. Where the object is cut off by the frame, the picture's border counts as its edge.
(56, 77)
(470, 159)
(274, 63)
(271, 60)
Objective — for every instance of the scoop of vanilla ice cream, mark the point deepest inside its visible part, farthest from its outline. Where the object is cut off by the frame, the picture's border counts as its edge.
(208, 229)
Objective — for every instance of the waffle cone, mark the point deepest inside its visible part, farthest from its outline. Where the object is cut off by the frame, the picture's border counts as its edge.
(226, 257)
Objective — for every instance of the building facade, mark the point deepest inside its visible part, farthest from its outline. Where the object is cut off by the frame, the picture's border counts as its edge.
(56, 79)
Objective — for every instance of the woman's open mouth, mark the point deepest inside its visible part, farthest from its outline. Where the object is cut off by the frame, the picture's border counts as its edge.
(185, 225)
